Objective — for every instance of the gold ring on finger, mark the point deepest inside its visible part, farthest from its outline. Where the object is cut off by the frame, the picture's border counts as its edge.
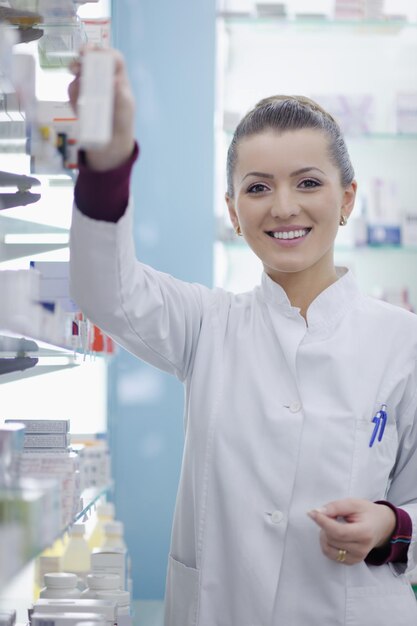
(341, 555)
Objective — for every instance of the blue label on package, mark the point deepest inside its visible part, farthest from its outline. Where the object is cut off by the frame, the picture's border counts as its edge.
(379, 234)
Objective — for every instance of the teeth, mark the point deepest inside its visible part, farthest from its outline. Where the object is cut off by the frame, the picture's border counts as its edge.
(291, 234)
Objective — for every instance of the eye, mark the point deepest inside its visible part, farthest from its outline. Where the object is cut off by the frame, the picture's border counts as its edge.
(309, 183)
(257, 188)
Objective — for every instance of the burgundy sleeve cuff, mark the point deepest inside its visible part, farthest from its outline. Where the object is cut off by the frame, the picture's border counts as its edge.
(396, 550)
(104, 195)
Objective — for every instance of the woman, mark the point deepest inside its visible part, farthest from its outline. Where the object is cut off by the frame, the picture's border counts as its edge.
(300, 448)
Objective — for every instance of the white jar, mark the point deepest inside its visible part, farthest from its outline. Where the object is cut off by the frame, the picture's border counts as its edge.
(101, 582)
(60, 585)
(122, 599)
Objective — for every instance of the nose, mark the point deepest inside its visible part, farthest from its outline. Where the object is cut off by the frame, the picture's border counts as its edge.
(284, 205)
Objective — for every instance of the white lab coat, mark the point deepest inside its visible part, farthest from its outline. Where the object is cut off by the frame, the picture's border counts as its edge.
(278, 417)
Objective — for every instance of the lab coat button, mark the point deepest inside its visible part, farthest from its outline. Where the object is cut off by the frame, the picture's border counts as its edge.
(295, 407)
(277, 517)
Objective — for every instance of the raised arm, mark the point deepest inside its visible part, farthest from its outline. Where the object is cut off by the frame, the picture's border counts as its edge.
(151, 314)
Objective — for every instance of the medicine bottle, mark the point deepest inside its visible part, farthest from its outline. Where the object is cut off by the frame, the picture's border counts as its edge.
(107, 587)
(48, 561)
(101, 582)
(122, 599)
(105, 513)
(61, 585)
(77, 556)
(113, 532)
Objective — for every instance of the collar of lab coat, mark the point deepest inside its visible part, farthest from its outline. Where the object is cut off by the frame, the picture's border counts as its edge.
(327, 308)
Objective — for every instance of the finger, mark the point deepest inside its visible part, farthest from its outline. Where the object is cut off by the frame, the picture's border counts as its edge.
(343, 554)
(73, 93)
(337, 531)
(346, 507)
(75, 67)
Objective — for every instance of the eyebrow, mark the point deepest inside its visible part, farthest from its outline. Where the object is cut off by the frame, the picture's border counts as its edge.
(302, 170)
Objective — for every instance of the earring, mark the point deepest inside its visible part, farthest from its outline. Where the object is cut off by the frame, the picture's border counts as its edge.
(238, 231)
(343, 220)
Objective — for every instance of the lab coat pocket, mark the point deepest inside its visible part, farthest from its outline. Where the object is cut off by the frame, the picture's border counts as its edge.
(181, 602)
(372, 465)
(377, 606)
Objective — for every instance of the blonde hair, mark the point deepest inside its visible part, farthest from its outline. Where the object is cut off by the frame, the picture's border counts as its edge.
(285, 113)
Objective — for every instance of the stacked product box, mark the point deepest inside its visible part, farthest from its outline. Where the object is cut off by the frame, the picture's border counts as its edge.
(47, 455)
(34, 507)
(54, 292)
(359, 9)
(28, 510)
(95, 455)
(406, 113)
(11, 542)
(374, 9)
(354, 113)
(64, 468)
(54, 283)
(349, 9)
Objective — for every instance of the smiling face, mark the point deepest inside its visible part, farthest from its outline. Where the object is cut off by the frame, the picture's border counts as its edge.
(288, 201)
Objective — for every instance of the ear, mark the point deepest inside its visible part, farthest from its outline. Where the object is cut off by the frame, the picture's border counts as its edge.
(349, 196)
(232, 211)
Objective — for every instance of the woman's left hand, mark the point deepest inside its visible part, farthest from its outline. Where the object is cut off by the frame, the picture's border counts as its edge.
(355, 526)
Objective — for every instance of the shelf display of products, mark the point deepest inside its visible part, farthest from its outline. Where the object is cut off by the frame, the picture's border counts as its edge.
(49, 478)
(315, 49)
(46, 483)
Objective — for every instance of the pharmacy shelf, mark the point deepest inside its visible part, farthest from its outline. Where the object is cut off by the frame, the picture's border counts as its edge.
(383, 26)
(13, 344)
(20, 238)
(11, 251)
(10, 225)
(49, 358)
(233, 242)
(382, 137)
(39, 324)
(378, 137)
(39, 369)
(88, 498)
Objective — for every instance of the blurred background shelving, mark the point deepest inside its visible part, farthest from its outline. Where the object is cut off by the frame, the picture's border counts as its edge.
(363, 71)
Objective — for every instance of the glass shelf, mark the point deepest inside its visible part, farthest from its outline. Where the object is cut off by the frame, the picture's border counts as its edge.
(88, 498)
(319, 22)
(49, 358)
(383, 137)
(39, 369)
(238, 243)
(10, 225)
(359, 137)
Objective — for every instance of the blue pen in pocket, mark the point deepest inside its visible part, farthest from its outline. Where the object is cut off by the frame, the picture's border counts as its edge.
(380, 421)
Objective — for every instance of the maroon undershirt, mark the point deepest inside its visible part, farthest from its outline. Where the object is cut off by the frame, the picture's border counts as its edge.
(105, 196)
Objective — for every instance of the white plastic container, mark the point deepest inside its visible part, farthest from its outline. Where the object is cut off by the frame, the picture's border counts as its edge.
(107, 587)
(60, 585)
(77, 556)
(122, 599)
(105, 513)
(113, 532)
(110, 562)
(67, 619)
(101, 582)
(105, 609)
